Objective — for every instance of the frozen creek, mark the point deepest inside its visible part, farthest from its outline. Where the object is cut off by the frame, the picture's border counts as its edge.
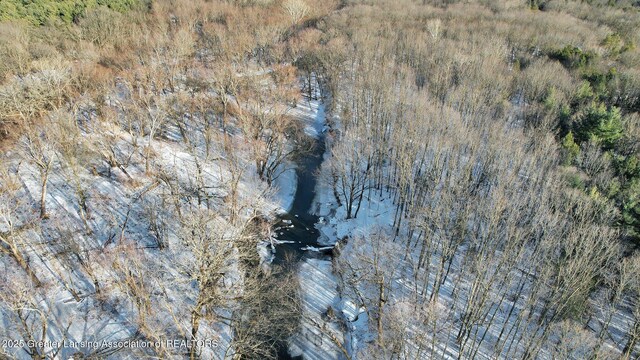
(296, 239)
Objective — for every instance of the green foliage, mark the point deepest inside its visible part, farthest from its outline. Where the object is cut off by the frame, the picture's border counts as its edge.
(575, 181)
(564, 118)
(594, 193)
(572, 56)
(596, 121)
(551, 100)
(9, 10)
(613, 43)
(119, 5)
(599, 82)
(627, 166)
(100, 25)
(616, 44)
(613, 188)
(571, 149)
(584, 92)
(41, 12)
(601, 124)
(630, 199)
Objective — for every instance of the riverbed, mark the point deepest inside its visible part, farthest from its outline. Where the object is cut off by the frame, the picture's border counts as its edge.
(296, 241)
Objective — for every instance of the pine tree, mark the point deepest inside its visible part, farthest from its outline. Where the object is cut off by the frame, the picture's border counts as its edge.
(601, 124)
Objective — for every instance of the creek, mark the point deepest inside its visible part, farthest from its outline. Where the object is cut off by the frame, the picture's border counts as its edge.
(295, 232)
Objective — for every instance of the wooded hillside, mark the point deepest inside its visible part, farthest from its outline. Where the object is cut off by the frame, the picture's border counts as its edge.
(479, 196)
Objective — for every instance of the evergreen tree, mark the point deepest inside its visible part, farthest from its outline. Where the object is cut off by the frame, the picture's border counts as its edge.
(601, 124)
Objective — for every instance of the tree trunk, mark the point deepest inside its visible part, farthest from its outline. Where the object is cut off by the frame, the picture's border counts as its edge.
(195, 325)
(43, 195)
(633, 340)
(381, 300)
(25, 266)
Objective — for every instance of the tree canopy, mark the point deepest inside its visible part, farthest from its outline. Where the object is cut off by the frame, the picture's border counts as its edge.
(41, 12)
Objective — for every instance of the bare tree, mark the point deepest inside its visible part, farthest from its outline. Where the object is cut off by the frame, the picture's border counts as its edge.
(633, 337)
(211, 243)
(296, 9)
(267, 314)
(348, 172)
(148, 108)
(270, 130)
(39, 149)
(13, 227)
(27, 317)
(368, 266)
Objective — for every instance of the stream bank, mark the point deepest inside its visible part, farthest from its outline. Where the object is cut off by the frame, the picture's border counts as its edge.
(295, 241)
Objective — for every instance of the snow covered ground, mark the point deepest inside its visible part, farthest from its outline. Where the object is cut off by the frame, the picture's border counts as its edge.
(376, 210)
(285, 192)
(351, 325)
(318, 328)
(358, 329)
(312, 115)
(118, 219)
(355, 328)
(129, 242)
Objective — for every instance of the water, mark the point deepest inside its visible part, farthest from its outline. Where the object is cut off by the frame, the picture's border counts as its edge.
(303, 232)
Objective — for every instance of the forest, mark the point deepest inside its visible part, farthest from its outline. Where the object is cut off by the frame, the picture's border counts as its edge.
(340, 179)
